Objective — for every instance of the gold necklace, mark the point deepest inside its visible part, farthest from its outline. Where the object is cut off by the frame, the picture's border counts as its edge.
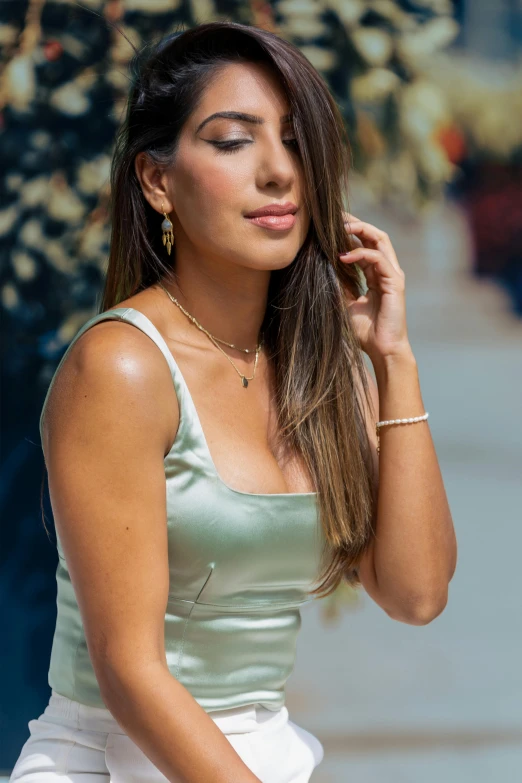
(215, 340)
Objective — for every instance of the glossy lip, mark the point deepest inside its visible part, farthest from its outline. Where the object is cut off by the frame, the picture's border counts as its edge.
(275, 222)
(274, 209)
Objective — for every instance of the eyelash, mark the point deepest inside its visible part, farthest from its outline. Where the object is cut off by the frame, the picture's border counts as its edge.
(232, 146)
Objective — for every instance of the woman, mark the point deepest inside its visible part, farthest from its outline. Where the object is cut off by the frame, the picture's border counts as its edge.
(200, 490)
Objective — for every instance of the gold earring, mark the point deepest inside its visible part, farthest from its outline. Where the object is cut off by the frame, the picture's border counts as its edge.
(166, 227)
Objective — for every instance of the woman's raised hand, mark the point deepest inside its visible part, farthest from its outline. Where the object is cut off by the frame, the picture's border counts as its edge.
(379, 315)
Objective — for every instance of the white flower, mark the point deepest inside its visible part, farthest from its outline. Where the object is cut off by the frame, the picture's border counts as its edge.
(24, 265)
(58, 258)
(303, 27)
(71, 324)
(117, 78)
(423, 106)
(374, 85)
(8, 34)
(373, 44)
(321, 59)
(7, 219)
(94, 241)
(10, 296)
(202, 10)
(92, 175)
(121, 50)
(34, 192)
(71, 98)
(19, 82)
(348, 11)
(427, 38)
(31, 234)
(438, 6)
(152, 6)
(14, 181)
(300, 8)
(62, 202)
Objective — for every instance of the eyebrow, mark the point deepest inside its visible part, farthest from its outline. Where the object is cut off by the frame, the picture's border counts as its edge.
(239, 115)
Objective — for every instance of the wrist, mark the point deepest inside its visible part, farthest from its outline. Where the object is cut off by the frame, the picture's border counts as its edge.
(391, 362)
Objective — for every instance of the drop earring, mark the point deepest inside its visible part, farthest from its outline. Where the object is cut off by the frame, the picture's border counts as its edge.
(166, 227)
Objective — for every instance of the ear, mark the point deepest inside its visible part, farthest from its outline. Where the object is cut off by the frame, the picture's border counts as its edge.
(153, 181)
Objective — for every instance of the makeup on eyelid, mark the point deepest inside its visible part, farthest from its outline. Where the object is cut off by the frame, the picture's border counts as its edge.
(234, 144)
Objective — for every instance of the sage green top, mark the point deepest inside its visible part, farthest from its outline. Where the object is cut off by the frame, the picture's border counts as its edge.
(240, 567)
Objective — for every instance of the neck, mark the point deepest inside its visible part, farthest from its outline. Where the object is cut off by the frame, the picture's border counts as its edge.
(229, 303)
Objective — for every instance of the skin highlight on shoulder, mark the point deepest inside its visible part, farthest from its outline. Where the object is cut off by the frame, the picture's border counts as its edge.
(114, 364)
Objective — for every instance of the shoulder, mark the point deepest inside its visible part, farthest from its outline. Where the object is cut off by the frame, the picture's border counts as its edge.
(115, 369)
(118, 350)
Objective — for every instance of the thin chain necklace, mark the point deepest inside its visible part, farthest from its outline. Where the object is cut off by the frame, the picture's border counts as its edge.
(216, 340)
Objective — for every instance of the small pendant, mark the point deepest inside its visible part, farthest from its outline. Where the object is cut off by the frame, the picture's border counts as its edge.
(244, 381)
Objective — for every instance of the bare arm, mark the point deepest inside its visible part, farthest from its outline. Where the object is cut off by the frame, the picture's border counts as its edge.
(105, 436)
(413, 556)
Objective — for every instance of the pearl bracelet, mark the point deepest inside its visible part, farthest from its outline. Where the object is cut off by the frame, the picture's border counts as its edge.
(398, 421)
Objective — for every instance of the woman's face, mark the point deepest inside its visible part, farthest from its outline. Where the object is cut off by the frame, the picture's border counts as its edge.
(212, 188)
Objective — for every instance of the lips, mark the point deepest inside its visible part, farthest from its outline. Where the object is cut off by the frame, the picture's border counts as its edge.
(275, 222)
(288, 208)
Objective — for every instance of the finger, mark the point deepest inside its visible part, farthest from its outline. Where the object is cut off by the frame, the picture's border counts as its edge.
(367, 257)
(374, 236)
(374, 261)
(369, 271)
(355, 241)
(348, 217)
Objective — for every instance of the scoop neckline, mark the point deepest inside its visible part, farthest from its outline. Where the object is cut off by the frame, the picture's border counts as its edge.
(208, 455)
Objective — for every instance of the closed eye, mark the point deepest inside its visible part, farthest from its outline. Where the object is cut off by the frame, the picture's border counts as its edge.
(232, 146)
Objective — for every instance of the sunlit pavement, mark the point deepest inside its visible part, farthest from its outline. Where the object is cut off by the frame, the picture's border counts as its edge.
(394, 703)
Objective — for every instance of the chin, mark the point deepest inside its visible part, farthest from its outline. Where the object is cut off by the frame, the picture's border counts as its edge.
(279, 261)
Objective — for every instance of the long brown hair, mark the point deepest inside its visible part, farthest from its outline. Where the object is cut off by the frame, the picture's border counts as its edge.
(309, 337)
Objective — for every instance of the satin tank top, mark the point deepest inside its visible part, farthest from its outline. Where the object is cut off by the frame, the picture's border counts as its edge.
(240, 566)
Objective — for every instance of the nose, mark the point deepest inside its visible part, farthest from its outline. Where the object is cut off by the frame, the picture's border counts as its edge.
(278, 163)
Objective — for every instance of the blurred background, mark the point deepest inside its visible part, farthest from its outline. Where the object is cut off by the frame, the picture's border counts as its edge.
(431, 92)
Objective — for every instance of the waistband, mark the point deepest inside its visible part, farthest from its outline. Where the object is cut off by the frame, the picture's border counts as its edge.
(236, 720)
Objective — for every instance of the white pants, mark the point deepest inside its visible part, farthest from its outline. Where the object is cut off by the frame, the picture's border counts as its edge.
(74, 743)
